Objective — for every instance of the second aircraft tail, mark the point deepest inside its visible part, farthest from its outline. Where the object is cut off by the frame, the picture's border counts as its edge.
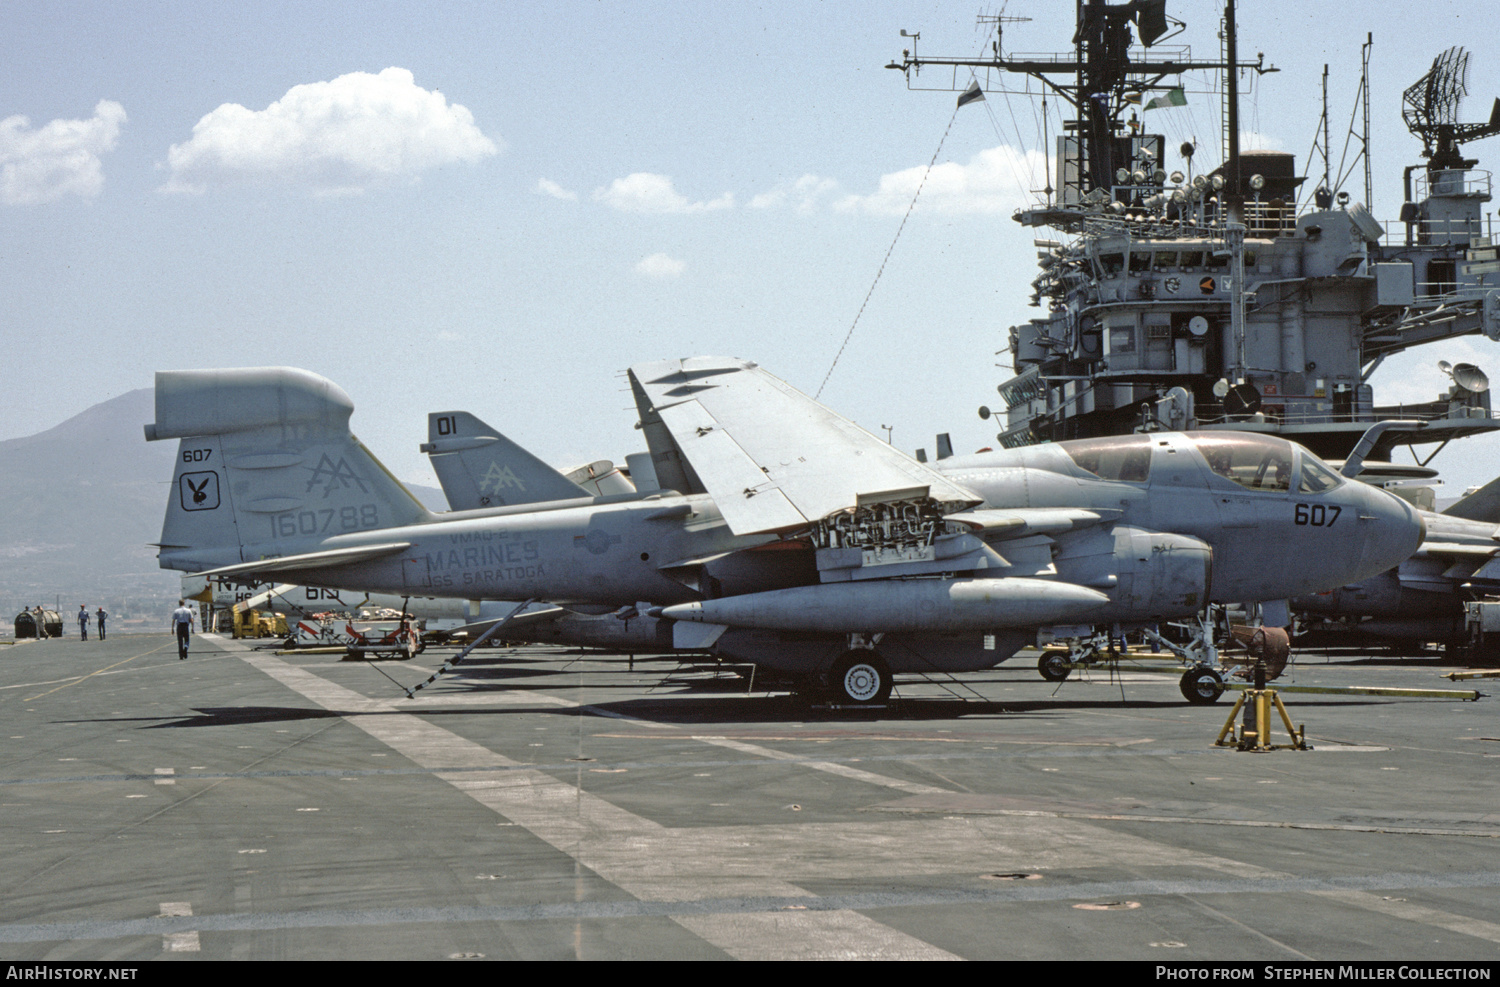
(478, 467)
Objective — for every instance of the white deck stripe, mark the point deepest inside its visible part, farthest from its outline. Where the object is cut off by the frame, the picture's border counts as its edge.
(1406, 911)
(856, 774)
(179, 942)
(629, 851)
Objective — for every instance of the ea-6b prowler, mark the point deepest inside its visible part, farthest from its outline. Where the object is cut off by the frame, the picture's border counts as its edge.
(776, 531)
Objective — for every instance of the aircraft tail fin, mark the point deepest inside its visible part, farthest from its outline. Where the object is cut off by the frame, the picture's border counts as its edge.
(1481, 505)
(478, 467)
(266, 467)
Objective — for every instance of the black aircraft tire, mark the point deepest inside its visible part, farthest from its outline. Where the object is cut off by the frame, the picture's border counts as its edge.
(1201, 686)
(1053, 665)
(860, 678)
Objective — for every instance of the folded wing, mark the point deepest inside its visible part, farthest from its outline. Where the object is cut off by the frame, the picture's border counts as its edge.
(772, 458)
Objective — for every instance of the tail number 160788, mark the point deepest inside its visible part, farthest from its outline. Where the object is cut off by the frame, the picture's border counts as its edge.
(294, 523)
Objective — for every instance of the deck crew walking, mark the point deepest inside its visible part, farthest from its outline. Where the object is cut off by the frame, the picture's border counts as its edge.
(183, 619)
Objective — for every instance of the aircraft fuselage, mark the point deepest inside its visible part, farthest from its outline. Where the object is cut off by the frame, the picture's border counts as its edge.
(1270, 541)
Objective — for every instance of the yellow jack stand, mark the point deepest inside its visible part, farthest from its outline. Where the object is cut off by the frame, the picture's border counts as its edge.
(1259, 738)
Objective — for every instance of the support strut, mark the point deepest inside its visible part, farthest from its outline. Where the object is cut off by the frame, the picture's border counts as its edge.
(494, 629)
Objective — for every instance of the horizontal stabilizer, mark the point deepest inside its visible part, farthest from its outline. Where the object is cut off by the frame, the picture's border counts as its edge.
(542, 614)
(221, 402)
(311, 560)
(1481, 505)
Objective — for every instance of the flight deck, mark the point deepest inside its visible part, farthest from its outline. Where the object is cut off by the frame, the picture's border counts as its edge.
(540, 803)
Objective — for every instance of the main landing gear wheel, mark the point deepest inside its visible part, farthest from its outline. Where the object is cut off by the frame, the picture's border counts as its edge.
(1053, 665)
(860, 678)
(1201, 686)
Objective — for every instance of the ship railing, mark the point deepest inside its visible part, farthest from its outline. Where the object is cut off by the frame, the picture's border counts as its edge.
(1461, 230)
(1430, 293)
(1425, 412)
(1149, 228)
(994, 77)
(1429, 231)
(1457, 181)
(1265, 220)
(1393, 232)
(1160, 53)
(1046, 57)
(1215, 415)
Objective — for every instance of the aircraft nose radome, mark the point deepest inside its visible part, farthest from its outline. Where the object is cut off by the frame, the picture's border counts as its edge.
(1397, 531)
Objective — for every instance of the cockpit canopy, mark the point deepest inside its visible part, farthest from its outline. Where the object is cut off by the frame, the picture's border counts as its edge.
(1253, 461)
(1126, 458)
(1263, 462)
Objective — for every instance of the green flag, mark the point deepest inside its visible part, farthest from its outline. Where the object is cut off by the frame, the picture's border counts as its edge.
(1174, 97)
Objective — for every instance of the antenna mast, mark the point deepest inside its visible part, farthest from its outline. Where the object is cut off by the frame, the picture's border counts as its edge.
(1101, 81)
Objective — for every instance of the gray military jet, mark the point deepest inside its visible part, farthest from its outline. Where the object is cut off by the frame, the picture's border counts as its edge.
(1422, 599)
(776, 531)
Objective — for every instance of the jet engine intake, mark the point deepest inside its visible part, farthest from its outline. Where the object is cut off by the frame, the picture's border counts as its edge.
(1163, 574)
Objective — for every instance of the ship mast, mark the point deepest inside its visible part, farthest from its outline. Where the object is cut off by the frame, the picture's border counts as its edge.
(1105, 81)
(1234, 191)
(1212, 301)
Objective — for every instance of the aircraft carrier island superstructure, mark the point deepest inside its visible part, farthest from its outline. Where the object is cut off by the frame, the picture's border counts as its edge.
(1245, 296)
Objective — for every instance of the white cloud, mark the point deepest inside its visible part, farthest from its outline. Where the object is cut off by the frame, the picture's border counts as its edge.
(344, 136)
(547, 186)
(804, 194)
(61, 158)
(1413, 377)
(659, 266)
(644, 192)
(994, 181)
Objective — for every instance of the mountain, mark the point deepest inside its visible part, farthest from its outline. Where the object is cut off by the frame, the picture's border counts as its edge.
(82, 503)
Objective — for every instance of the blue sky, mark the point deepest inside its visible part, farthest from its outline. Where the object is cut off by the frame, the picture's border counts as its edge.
(497, 207)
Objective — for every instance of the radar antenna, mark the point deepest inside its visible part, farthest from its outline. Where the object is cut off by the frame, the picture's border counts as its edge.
(1431, 111)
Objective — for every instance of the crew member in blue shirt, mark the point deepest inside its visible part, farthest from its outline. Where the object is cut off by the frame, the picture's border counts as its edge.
(183, 620)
